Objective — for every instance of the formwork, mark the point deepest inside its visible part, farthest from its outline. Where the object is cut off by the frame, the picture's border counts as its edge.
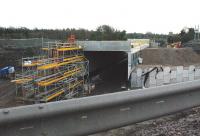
(59, 73)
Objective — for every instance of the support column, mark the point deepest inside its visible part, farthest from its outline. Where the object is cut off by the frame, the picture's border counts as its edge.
(129, 63)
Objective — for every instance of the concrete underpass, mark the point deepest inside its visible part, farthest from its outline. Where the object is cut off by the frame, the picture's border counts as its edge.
(108, 70)
(111, 63)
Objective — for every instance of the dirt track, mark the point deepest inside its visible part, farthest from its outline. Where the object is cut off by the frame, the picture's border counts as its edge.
(7, 93)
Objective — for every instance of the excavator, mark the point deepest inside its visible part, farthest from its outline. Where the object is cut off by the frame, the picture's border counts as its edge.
(174, 45)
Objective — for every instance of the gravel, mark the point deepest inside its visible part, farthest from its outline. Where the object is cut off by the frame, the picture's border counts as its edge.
(185, 123)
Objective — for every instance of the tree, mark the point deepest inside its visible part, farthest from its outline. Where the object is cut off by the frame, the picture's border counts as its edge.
(106, 32)
(174, 38)
(184, 36)
(187, 36)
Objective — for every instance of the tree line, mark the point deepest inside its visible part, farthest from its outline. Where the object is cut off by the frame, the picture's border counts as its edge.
(103, 32)
(184, 36)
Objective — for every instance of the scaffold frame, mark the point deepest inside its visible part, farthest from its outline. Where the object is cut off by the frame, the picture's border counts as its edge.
(59, 73)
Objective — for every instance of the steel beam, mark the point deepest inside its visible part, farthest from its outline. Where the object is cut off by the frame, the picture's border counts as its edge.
(93, 114)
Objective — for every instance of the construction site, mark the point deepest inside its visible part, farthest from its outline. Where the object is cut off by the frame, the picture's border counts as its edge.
(99, 68)
(76, 69)
(64, 70)
(61, 72)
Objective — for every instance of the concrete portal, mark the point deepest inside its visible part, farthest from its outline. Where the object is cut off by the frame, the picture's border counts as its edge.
(111, 62)
(108, 69)
(130, 47)
(106, 45)
(107, 53)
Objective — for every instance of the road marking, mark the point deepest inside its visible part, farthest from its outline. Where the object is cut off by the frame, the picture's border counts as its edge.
(84, 117)
(24, 128)
(125, 109)
(158, 102)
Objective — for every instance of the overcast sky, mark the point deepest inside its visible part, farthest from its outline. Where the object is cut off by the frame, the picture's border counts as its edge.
(157, 16)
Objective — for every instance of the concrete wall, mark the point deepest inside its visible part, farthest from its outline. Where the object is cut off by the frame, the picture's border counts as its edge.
(165, 75)
(105, 45)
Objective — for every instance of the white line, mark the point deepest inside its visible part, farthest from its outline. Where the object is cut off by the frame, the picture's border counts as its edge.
(158, 102)
(84, 117)
(24, 128)
(125, 109)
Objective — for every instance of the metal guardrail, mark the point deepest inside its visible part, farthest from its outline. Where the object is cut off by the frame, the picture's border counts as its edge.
(93, 114)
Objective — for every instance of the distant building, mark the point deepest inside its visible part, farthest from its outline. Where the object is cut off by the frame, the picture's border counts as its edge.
(197, 33)
(171, 34)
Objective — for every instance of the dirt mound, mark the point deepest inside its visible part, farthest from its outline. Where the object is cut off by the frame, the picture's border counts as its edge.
(170, 56)
(7, 94)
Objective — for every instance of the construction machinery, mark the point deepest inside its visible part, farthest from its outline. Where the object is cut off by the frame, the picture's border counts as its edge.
(7, 72)
(61, 72)
(174, 45)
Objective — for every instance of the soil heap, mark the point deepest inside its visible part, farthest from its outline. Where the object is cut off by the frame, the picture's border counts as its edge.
(170, 56)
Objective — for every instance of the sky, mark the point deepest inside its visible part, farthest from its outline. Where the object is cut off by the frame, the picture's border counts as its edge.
(156, 16)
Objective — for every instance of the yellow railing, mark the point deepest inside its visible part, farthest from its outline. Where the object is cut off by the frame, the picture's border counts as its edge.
(56, 79)
(69, 49)
(63, 48)
(62, 91)
(58, 64)
(22, 80)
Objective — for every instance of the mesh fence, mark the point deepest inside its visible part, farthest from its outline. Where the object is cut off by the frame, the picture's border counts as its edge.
(23, 43)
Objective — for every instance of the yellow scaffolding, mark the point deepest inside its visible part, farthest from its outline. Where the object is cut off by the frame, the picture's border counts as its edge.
(61, 69)
(63, 49)
(56, 79)
(62, 91)
(57, 64)
(22, 80)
